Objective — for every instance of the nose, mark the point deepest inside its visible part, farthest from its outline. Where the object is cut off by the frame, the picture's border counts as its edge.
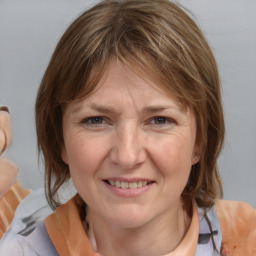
(128, 149)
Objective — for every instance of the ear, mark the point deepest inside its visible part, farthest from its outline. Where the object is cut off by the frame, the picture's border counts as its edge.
(195, 159)
(64, 156)
(197, 151)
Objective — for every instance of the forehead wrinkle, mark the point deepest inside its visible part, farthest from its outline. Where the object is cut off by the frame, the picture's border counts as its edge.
(93, 106)
(159, 108)
(147, 79)
(103, 109)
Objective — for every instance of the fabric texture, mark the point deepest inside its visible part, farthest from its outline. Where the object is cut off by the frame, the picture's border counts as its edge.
(72, 239)
(27, 234)
(206, 236)
(8, 204)
(232, 232)
(238, 227)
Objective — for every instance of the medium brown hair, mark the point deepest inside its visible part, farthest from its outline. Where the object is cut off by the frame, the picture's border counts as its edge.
(157, 37)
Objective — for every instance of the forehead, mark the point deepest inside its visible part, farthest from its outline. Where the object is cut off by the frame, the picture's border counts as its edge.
(123, 91)
(123, 84)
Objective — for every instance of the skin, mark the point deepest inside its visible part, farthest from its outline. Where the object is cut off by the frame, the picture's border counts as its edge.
(5, 130)
(8, 171)
(8, 175)
(130, 129)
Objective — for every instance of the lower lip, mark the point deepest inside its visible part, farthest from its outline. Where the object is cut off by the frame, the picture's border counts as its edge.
(127, 192)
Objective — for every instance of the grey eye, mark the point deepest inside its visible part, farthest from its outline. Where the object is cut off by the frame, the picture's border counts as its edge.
(96, 120)
(160, 120)
(93, 120)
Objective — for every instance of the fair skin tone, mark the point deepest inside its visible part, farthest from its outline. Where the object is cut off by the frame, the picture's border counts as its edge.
(130, 148)
(8, 171)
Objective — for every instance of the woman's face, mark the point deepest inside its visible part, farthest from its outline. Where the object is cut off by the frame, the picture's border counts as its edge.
(129, 148)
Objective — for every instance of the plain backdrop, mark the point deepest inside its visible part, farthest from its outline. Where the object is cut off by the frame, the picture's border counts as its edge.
(30, 29)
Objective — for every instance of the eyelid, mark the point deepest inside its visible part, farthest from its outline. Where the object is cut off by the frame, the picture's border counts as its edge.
(88, 120)
(168, 120)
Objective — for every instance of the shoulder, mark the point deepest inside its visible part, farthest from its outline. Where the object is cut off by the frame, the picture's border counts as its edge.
(27, 234)
(233, 214)
(238, 227)
(36, 243)
(8, 204)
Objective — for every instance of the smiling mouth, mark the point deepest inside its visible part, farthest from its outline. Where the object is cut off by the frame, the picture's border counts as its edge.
(128, 185)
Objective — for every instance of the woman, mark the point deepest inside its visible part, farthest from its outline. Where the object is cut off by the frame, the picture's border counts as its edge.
(130, 109)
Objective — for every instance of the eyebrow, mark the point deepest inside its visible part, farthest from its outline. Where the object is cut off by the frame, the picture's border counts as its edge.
(112, 110)
(97, 107)
(103, 109)
(158, 108)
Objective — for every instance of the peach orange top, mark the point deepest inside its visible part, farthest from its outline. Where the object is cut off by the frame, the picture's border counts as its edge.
(8, 205)
(232, 232)
(237, 221)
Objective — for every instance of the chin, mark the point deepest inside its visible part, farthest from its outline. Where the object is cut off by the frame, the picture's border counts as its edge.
(128, 218)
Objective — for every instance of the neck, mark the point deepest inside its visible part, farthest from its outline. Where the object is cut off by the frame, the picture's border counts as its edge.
(159, 237)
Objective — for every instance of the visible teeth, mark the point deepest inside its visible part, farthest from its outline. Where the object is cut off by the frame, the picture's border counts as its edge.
(117, 184)
(130, 185)
(133, 185)
(139, 184)
(124, 184)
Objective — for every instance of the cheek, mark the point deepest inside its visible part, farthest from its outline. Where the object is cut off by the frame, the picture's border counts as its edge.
(173, 157)
(174, 163)
(85, 154)
(84, 159)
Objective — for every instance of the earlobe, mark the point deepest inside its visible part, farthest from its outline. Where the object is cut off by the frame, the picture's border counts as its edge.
(197, 153)
(64, 155)
(195, 159)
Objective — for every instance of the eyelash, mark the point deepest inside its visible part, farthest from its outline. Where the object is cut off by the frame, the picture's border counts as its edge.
(159, 121)
(90, 120)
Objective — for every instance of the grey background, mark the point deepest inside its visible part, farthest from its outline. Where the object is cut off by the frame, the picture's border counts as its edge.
(30, 29)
